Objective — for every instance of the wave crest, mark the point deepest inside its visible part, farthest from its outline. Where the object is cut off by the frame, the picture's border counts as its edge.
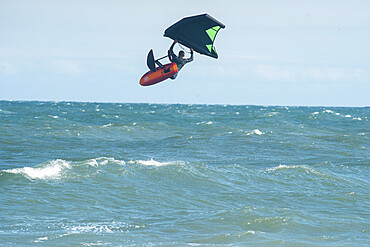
(152, 162)
(62, 169)
(294, 167)
(49, 170)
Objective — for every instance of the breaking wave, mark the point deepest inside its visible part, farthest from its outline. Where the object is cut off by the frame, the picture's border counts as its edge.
(48, 170)
(58, 169)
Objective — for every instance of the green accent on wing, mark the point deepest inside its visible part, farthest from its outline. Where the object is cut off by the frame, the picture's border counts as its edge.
(212, 32)
(214, 49)
(216, 28)
(209, 48)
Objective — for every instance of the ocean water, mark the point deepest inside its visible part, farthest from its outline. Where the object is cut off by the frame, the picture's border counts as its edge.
(91, 174)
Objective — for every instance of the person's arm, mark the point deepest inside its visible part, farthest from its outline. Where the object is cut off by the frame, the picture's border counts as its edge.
(170, 51)
(171, 48)
(191, 56)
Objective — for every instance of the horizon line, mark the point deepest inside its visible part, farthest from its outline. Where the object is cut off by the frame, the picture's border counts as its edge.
(171, 103)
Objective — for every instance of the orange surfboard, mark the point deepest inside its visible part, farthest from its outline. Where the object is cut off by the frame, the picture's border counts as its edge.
(159, 75)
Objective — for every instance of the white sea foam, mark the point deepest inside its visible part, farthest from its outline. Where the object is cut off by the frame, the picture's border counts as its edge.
(255, 132)
(91, 228)
(247, 232)
(104, 161)
(92, 162)
(271, 114)
(50, 170)
(152, 162)
(336, 114)
(204, 122)
(56, 168)
(106, 125)
(108, 227)
(285, 167)
(41, 239)
(328, 111)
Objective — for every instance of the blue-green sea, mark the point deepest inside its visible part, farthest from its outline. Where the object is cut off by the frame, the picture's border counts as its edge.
(104, 174)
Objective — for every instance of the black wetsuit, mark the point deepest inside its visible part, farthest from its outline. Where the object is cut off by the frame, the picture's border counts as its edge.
(178, 60)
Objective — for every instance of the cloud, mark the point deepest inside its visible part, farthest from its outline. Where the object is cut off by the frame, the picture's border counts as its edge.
(68, 67)
(7, 68)
(273, 72)
(310, 74)
(328, 74)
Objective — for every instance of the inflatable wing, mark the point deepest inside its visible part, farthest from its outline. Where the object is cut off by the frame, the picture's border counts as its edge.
(197, 32)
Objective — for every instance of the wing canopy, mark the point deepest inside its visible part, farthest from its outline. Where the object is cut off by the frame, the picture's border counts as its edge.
(197, 32)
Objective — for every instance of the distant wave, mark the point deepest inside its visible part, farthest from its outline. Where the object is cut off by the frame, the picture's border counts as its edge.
(250, 132)
(152, 162)
(205, 122)
(6, 112)
(59, 168)
(295, 167)
(330, 112)
(255, 132)
(103, 161)
(306, 170)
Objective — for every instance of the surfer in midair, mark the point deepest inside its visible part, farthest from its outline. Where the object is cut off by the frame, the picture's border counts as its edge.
(179, 60)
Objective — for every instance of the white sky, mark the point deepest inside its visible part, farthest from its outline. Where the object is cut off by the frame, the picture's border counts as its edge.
(270, 53)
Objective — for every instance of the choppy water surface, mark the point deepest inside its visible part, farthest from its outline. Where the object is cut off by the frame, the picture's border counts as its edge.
(89, 174)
